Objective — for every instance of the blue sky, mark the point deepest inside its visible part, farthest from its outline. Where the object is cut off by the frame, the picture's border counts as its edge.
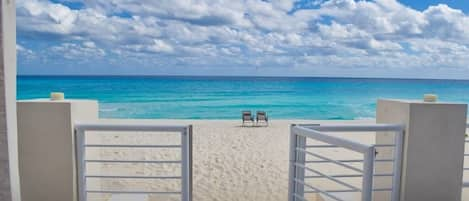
(424, 4)
(382, 38)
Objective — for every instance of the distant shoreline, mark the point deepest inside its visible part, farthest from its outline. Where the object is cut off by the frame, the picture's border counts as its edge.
(235, 77)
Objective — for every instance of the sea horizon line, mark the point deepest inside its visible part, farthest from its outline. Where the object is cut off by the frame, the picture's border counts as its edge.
(236, 76)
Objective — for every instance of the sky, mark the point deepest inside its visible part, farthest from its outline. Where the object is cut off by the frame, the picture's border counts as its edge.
(334, 38)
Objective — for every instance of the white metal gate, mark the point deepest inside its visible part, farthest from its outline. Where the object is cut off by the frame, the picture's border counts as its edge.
(299, 163)
(185, 161)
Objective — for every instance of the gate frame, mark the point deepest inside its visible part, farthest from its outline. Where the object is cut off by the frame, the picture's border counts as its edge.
(186, 152)
(299, 133)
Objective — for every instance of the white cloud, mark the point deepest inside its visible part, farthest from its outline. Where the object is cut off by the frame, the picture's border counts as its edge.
(20, 48)
(336, 33)
(447, 24)
(160, 46)
(25, 53)
(73, 51)
(45, 17)
(89, 44)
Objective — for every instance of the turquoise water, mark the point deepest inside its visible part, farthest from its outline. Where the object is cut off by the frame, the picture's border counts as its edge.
(226, 97)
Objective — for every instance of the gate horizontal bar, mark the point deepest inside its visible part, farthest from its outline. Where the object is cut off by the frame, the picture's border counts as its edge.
(349, 161)
(334, 146)
(354, 146)
(349, 175)
(358, 128)
(129, 161)
(131, 177)
(326, 176)
(330, 160)
(133, 192)
(319, 190)
(128, 127)
(130, 146)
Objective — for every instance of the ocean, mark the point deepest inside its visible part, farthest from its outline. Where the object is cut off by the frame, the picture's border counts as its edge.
(176, 97)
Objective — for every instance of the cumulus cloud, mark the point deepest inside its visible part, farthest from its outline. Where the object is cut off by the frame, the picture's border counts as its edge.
(286, 34)
(447, 23)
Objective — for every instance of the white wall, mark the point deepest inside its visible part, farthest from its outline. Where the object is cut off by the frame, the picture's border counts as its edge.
(47, 149)
(433, 151)
(9, 177)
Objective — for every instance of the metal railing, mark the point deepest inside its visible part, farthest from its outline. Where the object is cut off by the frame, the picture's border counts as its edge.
(185, 160)
(465, 184)
(299, 162)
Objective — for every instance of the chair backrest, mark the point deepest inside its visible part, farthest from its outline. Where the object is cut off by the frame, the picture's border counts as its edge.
(261, 115)
(247, 115)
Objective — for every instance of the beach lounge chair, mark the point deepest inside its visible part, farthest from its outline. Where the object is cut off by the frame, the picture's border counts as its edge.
(261, 116)
(246, 116)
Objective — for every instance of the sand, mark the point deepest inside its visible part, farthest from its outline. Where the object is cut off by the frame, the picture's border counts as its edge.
(230, 162)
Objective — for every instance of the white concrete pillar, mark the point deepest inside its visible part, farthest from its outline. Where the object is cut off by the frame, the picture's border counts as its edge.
(9, 179)
(46, 147)
(433, 152)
